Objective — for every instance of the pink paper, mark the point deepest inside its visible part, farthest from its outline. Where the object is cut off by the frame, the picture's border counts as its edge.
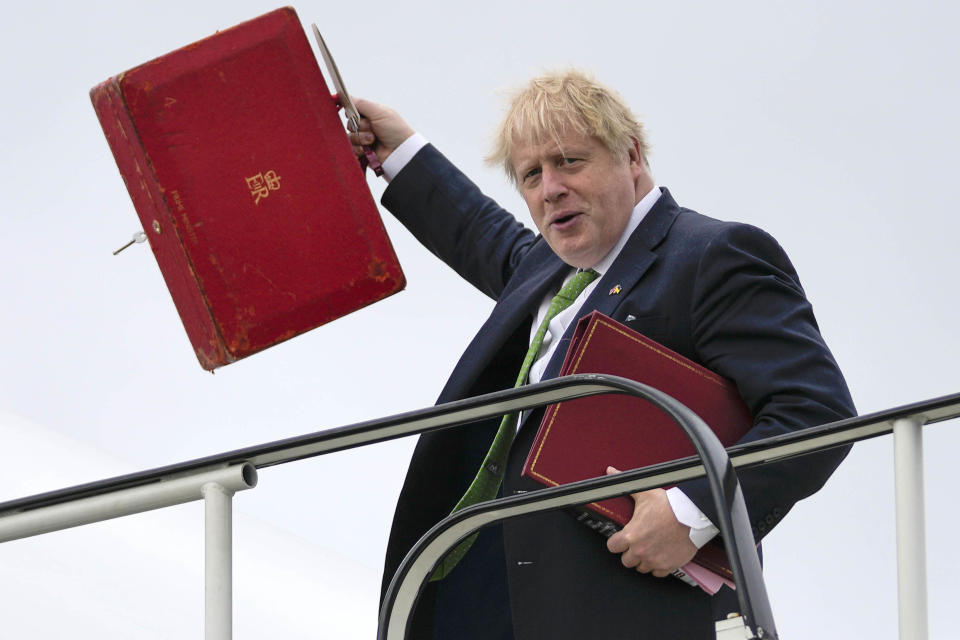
(706, 579)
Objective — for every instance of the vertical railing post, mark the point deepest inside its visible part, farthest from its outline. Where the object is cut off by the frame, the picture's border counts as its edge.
(911, 532)
(218, 561)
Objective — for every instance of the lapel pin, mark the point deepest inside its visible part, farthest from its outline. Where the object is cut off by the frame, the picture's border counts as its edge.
(631, 317)
(616, 290)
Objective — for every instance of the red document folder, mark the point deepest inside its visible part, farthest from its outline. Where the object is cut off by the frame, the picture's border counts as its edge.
(240, 170)
(578, 439)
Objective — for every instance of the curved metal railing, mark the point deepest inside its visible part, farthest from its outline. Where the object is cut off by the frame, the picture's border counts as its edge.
(734, 524)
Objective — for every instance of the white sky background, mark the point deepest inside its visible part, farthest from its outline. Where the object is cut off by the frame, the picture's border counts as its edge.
(832, 125)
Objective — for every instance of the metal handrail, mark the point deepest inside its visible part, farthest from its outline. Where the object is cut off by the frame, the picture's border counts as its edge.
(434, 418)
(461, 412)
(47, 506)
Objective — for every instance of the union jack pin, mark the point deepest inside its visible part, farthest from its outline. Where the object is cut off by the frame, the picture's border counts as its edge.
(617, 289)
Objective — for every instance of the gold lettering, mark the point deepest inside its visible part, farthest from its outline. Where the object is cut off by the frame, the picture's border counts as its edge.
(272, 180)
(261, 184)
(257, 188)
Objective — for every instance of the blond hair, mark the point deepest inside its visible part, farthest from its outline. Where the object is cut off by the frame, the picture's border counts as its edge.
(550, 103)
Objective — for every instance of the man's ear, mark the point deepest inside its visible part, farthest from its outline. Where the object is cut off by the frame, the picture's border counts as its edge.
(637, 162)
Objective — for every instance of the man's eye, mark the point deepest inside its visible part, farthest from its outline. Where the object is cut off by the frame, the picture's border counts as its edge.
(533, 173)
(568, 161)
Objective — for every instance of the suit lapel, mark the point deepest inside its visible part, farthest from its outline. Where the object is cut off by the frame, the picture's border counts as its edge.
(636, 257)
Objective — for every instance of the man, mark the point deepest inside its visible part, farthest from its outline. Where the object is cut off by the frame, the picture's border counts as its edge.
(722, 294)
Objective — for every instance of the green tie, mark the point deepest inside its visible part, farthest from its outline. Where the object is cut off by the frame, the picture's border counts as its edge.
(487, 483)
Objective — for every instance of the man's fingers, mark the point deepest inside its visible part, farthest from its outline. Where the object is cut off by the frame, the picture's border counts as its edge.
(361, 139)
(618, 543)
(364, 137)
(631, 560)
(389, 129)
(366, 107)
(653, 541)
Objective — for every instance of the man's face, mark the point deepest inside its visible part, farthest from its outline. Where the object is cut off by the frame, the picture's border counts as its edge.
(579, 194)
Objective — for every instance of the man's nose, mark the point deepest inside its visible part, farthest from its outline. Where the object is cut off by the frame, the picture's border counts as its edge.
(554, 186)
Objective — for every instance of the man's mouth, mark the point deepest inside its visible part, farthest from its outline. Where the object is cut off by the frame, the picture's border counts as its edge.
(565, 220)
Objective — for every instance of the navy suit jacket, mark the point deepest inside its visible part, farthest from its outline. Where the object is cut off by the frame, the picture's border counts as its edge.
(722, 294)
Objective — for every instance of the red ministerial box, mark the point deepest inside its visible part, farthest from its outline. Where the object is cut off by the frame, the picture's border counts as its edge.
(240, 170)
(579, 438)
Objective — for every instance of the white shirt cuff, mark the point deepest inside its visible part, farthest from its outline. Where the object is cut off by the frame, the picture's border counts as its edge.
(397, 160)
(701, 529)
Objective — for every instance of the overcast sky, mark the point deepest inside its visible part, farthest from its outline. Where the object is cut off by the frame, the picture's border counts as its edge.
(830, 124)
